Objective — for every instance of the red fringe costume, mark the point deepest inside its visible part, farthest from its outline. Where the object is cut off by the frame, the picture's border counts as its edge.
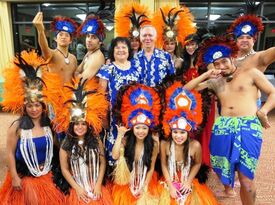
(35, 190)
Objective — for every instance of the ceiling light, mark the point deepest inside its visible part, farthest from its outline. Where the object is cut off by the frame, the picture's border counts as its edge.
(46, 4)
(81, 16)
(257, 3)
(214, 17)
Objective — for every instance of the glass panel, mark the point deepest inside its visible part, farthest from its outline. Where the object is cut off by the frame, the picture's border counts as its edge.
(269, 11)
(219, 11)
(199, 10)
(24, 12)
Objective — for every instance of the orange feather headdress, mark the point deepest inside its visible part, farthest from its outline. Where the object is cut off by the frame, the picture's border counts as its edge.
(173, 24)
(140, 105)
(130, 18)
(26, 80)
(81, 101)
(183, 109)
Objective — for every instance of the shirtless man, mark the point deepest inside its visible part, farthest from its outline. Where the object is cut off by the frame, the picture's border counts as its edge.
(93, 28)
(60, 60)
(237, 134)
(246, 29)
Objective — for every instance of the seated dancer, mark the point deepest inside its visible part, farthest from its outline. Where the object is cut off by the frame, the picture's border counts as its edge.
(136, 147)
(173, 25)
(82, 157)
(181, 156)
(30, 143)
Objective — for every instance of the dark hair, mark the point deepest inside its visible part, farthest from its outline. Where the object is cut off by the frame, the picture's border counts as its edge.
(26, 123)
(130, 149)
(185, 147)
(71, 141)
(114, 43)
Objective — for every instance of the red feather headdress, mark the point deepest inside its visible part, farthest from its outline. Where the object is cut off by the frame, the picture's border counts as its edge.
(173, 24)
(130, 18)
(27, 80)
(183, 109)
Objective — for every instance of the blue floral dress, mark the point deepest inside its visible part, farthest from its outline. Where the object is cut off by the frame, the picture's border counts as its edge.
(116, 79)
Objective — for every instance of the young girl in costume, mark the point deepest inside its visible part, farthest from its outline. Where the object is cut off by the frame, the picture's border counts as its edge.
(180, 155)
(136, 146)
(82, 157)
(30, 143)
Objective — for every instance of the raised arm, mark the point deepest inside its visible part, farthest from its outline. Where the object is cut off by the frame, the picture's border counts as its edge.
(42, 40)
(266, 58)
(116, 148)
(265, 86)
(200, 83)
(12, 138)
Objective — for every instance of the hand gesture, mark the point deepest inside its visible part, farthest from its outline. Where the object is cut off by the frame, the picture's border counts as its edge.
(97, 191)
(82, 194)
(173, 191)
(16, 183)
(121, 130)
(213, 73)
(185, 188)
(155, 137)
(263, 119)
(38, 21)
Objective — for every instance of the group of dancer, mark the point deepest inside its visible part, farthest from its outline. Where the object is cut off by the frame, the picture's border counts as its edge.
(121, 118)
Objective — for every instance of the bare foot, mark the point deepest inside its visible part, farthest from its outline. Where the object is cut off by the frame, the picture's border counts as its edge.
(263, 119)
(226, 194)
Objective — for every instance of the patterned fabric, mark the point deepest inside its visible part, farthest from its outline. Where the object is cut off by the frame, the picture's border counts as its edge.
(235, 145)
(156, 69)
(116, 78)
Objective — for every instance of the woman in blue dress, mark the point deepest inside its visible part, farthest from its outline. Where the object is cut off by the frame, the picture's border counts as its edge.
(121, 71)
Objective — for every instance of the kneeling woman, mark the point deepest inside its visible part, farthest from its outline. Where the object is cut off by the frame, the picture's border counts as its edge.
(136, 147)
(181, 156)
(82, 157)
(30, 139)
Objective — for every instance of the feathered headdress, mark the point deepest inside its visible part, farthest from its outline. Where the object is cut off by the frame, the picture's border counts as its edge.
(183, 109)
(216, 48)
(92, 25)
(61, 23)
(173, 24)
(26, 80)
(247, 24)
(81, 101)
(130, 18)
(140, 105)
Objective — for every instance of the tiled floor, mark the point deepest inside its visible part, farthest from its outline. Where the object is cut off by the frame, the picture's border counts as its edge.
(265, 176)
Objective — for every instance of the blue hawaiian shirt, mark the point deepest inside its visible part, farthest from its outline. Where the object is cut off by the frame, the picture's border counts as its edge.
(153, 71)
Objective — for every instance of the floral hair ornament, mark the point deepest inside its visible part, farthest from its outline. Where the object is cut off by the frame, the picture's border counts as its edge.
(130, 18)
(66, 24)
(246, 25)
(82, 101)
(26, 80)
(93, 25)
(183, 109)
(173, 24)
(140, 105)
(215, 48)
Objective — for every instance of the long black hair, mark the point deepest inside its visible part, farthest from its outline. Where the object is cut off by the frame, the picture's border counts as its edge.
(130, 149)
(71, 142)
(185, 148)
(26, 123)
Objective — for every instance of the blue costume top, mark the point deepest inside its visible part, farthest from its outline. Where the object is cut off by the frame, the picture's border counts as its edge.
(155, 69)
(40, 144)
(116, 78)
